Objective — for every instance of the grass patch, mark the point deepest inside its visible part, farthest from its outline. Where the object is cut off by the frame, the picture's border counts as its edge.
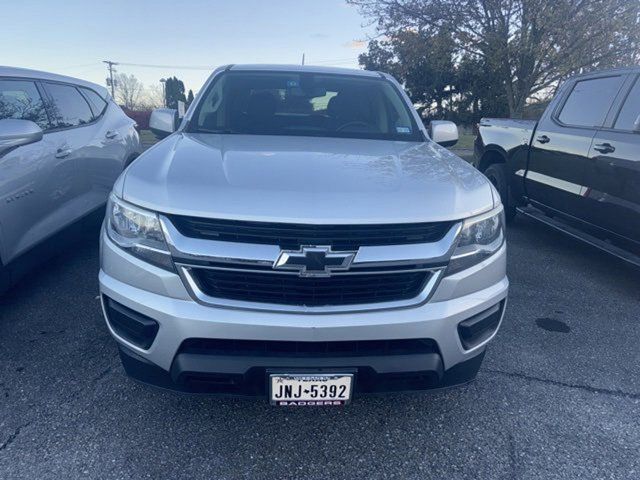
(465, 142)
(147, 138)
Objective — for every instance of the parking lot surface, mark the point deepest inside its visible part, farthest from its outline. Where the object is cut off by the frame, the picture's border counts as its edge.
(558, 395)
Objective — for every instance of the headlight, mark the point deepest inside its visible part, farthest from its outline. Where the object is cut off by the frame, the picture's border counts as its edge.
(479, 238)
(138, 232)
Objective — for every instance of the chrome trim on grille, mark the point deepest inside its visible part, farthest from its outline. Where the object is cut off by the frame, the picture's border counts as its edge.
(189, 253)
(185, 250)
(202, 298)
(284, 272)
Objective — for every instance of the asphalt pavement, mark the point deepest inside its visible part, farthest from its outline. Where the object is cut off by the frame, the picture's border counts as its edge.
(558, 395)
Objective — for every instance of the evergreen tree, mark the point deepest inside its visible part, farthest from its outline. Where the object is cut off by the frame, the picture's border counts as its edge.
(174, 92)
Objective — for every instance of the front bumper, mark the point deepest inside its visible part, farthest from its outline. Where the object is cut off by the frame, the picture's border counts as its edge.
(160, 295)
(247, 376)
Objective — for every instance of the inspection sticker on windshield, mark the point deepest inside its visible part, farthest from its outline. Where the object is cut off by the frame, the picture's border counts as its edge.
(310, 389)
(405, 130)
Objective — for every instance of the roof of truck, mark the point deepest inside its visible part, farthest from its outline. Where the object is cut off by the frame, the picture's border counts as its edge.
(37, 74)
(305, 68)
(631, 69)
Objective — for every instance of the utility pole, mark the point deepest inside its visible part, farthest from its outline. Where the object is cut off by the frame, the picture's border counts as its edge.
(110, 81)
(303, 59)
(163, 81)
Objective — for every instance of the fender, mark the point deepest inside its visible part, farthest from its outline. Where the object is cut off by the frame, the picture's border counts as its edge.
(506, 141)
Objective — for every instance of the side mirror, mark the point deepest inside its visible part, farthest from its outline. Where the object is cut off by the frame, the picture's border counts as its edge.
(15, 133)
(443, 132)
(163, 122)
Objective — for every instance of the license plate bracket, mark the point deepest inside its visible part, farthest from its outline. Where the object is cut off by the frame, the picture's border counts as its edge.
(310, 388)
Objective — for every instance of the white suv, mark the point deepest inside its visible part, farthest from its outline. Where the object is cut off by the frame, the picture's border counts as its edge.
(301, 236)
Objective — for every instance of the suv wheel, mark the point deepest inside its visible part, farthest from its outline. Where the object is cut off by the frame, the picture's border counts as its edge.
(497, 174)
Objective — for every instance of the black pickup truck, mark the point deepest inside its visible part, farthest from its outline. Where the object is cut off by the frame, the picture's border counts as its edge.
(578, 168)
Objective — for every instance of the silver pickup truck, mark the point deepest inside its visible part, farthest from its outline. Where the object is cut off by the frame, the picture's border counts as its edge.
(301, 236)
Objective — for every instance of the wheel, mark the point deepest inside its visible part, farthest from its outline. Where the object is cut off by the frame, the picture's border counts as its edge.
(497, 174)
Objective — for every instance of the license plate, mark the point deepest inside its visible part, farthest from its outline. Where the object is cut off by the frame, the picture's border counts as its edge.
(310, 389)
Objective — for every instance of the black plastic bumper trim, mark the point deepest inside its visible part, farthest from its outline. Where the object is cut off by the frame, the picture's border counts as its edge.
(185, 364)
(246, 376)
(130, 325)
(477, 329)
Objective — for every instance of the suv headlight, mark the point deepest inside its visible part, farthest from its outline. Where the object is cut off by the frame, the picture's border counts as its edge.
(480, 237)
(138, 232)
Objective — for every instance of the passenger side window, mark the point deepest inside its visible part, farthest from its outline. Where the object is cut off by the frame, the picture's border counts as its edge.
(96, 102)
(629, 118)
(20, 99)
(590, 101)
(69, 108)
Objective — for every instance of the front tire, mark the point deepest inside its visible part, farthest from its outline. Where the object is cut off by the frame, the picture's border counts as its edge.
(497, 175)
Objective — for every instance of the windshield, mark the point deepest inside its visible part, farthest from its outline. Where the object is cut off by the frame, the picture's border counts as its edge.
(309, 104)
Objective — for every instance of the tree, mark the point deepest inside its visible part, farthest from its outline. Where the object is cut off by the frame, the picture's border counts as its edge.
(527, 46)
(128, 91)
(428, 69)
(423, 63)
(174, 92)
(190, 98)
(380, 57)
(481, 93)
(151, 98)
(440, 82)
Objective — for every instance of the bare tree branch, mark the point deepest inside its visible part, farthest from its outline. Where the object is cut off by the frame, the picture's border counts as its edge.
(527, 45)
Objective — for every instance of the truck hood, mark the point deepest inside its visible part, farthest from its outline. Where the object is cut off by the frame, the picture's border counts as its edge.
(305, 180)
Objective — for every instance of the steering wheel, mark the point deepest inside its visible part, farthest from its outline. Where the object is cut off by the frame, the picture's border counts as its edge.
(355, 123)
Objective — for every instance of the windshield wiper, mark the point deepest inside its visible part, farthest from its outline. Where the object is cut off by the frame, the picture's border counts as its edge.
(209, 130)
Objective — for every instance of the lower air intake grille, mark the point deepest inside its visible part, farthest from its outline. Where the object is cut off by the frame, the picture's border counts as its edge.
(271, 348)
(312, 292)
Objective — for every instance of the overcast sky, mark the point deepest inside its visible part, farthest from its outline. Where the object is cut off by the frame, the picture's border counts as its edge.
(73, 37)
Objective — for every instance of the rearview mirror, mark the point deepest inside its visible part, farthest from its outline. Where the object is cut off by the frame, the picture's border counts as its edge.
(443, 132)
(15, 133)
(163, 122)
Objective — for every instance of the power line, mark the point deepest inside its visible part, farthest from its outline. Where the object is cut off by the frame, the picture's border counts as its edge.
(69, 67)
(182, 67)
(337, 61)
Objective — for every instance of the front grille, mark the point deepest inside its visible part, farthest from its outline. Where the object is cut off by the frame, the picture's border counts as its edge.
(270, 348)
(250, 286)
(291, 235)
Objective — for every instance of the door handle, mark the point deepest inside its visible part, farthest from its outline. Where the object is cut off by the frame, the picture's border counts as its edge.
(543, 139)
(111, 134)
(604, 148)
(63, 152)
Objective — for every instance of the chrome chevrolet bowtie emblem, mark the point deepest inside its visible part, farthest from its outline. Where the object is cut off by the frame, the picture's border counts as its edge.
(314, 261)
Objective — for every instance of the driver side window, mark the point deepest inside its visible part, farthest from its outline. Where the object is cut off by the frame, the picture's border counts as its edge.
(629, 117)
(21, 100)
